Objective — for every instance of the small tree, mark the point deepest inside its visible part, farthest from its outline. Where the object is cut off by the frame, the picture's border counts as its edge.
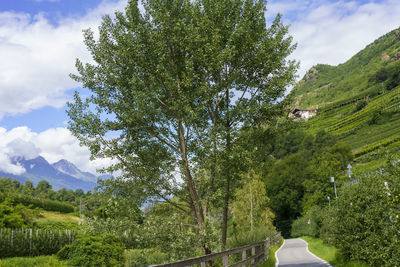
(250, 208)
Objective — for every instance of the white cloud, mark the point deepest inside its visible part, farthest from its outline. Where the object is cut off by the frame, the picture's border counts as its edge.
(53, 144)
(332, 32)
(37, 57)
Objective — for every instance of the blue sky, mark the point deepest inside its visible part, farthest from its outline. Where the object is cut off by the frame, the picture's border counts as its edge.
(40, 39)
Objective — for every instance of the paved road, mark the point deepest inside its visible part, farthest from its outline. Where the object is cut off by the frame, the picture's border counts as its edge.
(294, 253)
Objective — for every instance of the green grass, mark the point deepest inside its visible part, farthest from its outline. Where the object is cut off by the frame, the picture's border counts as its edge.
(41, 261)
(270, 262)
(330, 253)
(58, 216)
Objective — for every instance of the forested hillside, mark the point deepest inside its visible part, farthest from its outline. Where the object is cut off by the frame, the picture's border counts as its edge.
(358, 103)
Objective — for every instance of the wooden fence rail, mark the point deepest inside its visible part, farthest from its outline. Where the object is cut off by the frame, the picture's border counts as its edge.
(259, 251)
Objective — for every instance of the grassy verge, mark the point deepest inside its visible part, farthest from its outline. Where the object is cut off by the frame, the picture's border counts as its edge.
(40, 261)
(270, 262)
(330, 253)
(57, 216)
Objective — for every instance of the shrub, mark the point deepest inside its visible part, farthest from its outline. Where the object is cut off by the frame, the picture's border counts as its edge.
(367, 219)
(375, 117)
(15, 216)
(309, 224)
(360, 105)
(92, 250)
(145, 257)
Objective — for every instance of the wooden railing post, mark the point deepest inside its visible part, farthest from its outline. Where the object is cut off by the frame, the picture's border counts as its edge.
(266, 248)
(253, 253)
(225, 261)
(244, 256)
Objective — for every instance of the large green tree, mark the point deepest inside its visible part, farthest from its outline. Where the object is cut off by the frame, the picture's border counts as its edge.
(171, 88)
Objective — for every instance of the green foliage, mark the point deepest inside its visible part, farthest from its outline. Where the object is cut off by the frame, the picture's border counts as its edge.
(271, 260)
(330, 254)
(375, 117)
(360, 105)
(250, 209)
(309, 224)
(44, 197)
(42, 261)
(46, 204)
(15, 216)
(363, 222)
(325, 85)
(91, 250)
(29, 242)
(285, 189)
(145, 257)
(297, 182)
(166, 79)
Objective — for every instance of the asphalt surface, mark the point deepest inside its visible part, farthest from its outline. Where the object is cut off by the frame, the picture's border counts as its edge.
(294, 252)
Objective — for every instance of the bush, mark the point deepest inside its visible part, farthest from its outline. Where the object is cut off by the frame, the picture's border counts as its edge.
(309, 224)
(15, 216)
(375, 117)
(360, 105)
(92, 250)
(145, 257)
(367, 219)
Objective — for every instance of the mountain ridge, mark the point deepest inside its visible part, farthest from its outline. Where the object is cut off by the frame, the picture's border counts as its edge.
(324, 84)
(38, 169)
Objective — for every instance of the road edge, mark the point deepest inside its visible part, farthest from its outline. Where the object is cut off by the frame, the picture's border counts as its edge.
(324, 261)
(276, 253)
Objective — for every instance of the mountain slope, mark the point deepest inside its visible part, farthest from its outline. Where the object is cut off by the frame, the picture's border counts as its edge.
(67, 167)
(358, 101)
(365, 74)
(38, 169)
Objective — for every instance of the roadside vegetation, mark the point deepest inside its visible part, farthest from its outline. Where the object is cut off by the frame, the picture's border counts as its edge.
(363, 222)
(330, 254)
(270, 262)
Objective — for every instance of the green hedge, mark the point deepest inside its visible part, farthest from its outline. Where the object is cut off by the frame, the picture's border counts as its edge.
(31, 242)
(46, 204)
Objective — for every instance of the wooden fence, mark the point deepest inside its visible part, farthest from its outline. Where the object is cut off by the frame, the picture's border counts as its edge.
(259, 252)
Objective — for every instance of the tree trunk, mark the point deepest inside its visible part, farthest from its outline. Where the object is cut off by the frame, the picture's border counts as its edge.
(227, 174)
(197, 207)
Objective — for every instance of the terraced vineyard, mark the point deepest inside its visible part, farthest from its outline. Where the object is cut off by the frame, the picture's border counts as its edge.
(358, 101)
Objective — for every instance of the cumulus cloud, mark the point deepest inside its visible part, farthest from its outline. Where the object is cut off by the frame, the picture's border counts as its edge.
(330, 32)
(37, 57)
(53, 144)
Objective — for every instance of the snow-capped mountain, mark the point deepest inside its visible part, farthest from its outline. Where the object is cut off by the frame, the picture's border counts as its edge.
(68, 168)
(62, 174)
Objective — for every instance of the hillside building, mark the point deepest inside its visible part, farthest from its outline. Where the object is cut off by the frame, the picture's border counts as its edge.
(303, 113)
